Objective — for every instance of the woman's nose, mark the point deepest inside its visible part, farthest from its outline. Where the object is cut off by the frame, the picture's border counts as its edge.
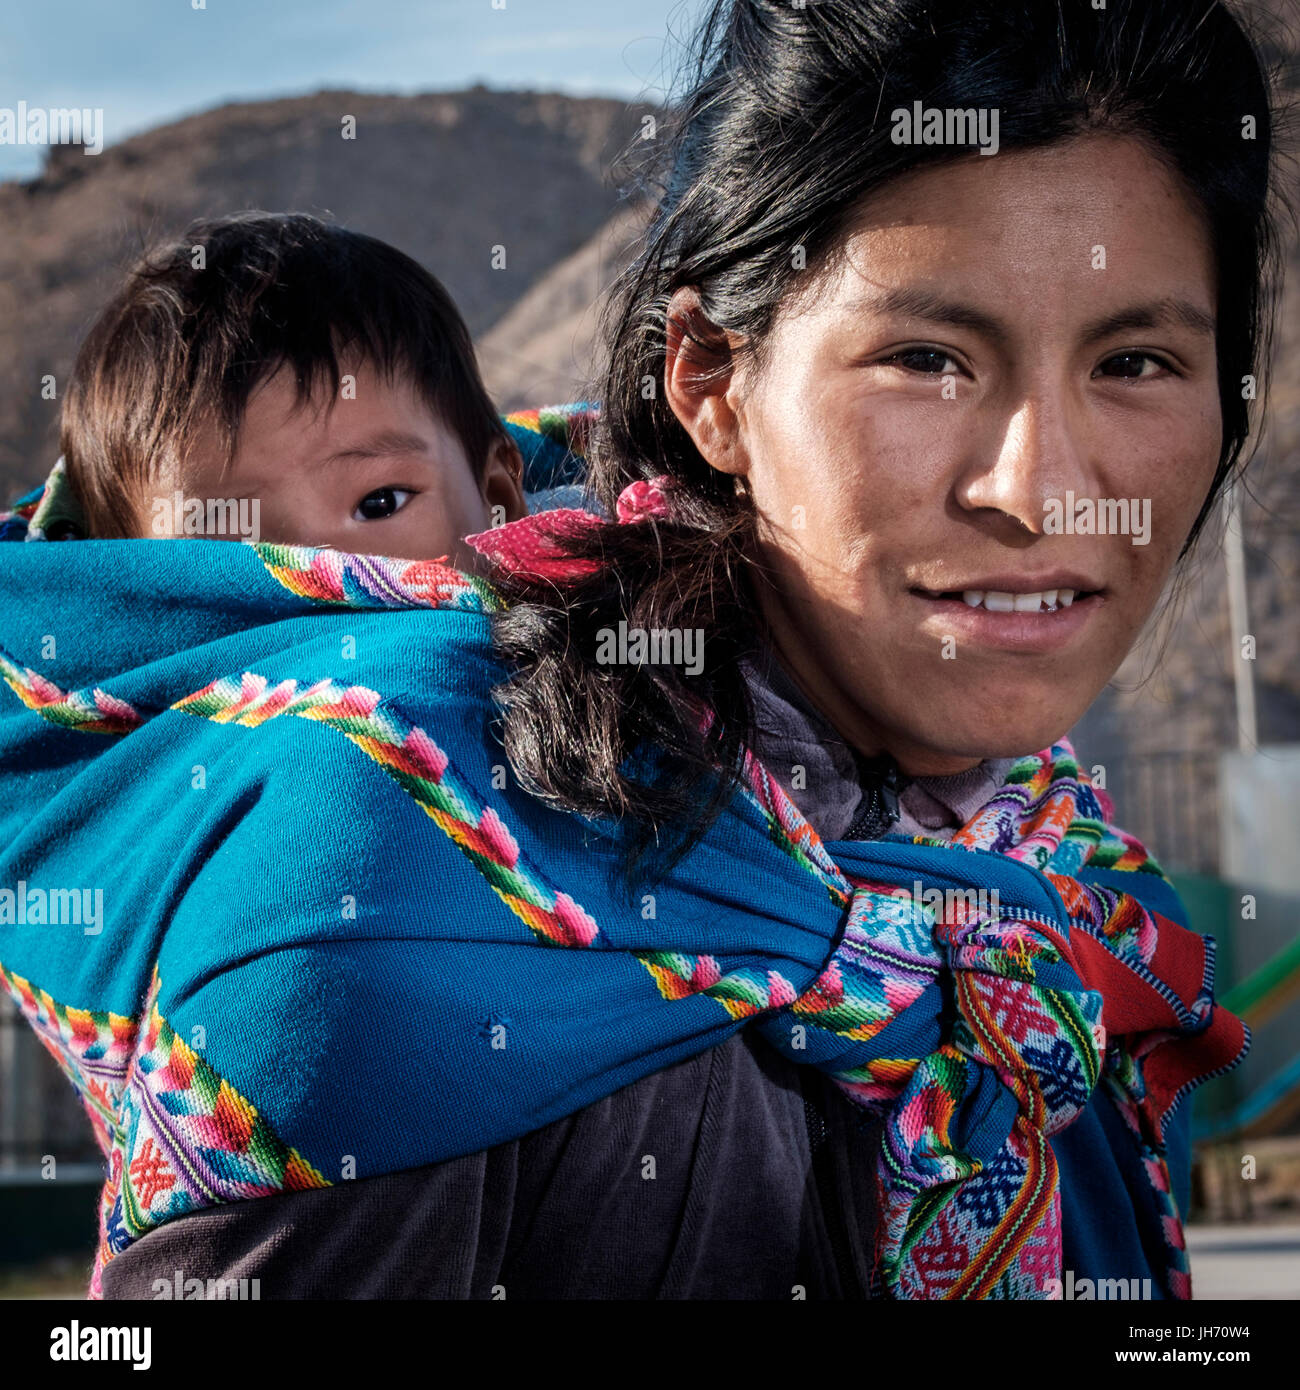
(1032, 454)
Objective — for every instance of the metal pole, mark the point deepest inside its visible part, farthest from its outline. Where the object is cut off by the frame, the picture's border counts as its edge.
(1243, 670)
(9, 1137)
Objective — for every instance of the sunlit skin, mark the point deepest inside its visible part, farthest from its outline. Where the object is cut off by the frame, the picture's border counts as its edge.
(874, 493)
(377, 475)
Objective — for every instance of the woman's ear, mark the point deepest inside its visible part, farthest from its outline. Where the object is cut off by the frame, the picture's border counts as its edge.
(701, 382)
(503, 481)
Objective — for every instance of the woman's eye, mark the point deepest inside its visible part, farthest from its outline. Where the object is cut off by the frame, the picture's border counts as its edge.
(1131, 365)
(383, 502)
(929, 361)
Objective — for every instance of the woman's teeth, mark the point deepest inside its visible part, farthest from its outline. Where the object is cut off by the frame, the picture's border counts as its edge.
(1049, 600)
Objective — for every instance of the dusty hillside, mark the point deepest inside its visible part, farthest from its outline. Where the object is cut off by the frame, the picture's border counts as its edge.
(546, 348)
(444, 176)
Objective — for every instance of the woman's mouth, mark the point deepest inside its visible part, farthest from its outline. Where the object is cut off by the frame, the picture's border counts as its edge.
(1002, 601)
(1021, 620)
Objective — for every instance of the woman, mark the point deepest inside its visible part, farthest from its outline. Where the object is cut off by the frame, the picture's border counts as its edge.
(859, 994)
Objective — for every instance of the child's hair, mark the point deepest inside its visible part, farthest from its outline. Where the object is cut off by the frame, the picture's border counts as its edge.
(201, 321)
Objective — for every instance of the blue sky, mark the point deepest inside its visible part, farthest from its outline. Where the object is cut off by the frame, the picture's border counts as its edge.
(147, 62)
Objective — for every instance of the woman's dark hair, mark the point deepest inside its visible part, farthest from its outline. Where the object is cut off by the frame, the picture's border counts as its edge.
(201, 321)
(785, 131)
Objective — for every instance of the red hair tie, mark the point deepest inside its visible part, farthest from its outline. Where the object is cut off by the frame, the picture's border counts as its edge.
(534, 546)
(640, 501)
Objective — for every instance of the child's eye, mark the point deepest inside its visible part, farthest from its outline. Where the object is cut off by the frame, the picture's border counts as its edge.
(381, 503)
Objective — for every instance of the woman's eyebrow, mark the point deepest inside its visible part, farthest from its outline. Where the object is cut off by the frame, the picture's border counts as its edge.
(379, 445)
(1159, 313)
(915, 301)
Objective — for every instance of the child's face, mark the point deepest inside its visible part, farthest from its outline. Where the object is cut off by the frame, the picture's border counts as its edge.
(378, 474)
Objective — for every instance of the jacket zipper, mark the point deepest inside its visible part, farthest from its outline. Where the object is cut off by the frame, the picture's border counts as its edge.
(878, 812)
(823, 1164)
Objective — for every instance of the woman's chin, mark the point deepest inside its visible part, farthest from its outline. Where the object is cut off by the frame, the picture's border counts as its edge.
(971, 736)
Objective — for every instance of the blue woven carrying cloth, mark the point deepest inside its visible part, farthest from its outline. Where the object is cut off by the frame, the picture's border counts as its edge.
(280, 910)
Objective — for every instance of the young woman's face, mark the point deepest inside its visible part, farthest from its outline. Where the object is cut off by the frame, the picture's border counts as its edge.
(1012, 347)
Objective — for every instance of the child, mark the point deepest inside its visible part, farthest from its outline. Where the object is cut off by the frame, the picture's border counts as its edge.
(273, 377)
